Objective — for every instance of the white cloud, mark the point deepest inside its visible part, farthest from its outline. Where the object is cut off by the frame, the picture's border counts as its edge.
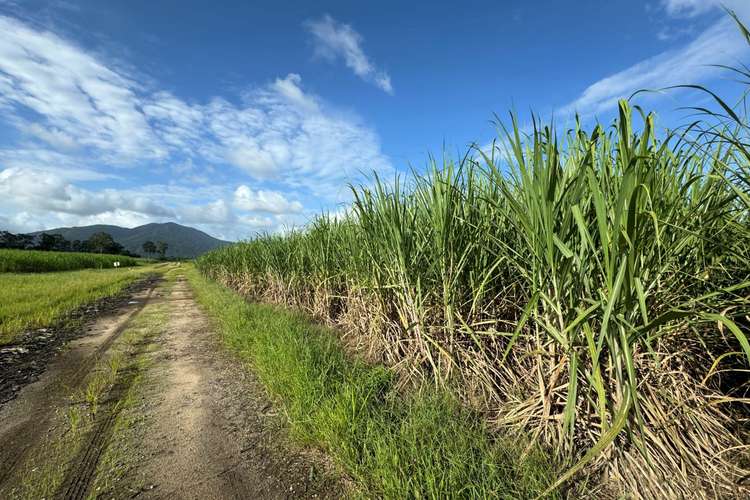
(36, 198)
(279, 131)
(689, 8)
(47, 162)
(285, 134)
(344, 212)
(36, 189)
(70, 90)
(21, 222)
(264, 201)
(117, 217)
(694, 8)
(216, 212)
(256, 222)
(79, 116)
(337, 40)
(177, 124)
(53, 136)
(40, 197)
(721, 43)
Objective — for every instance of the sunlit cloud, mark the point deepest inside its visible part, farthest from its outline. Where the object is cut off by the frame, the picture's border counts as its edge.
(334, 40)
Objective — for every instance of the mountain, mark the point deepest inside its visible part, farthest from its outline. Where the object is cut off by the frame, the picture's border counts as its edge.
(183, 241)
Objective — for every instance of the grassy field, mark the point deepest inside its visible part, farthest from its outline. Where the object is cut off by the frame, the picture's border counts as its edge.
(590, 290)
(421, 445)
(36, 261)
(38, 300)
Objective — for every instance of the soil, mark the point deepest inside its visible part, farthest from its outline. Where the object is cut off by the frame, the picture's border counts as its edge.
(25, 420)
(204, 427)
(23, 361)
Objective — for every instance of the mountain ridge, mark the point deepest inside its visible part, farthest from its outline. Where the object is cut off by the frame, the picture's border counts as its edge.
(182, 241)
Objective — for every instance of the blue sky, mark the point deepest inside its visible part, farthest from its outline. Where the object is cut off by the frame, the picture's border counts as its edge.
(239, 117)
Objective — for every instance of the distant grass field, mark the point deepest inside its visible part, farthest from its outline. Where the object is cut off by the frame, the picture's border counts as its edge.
(36, 261)
(38, 300)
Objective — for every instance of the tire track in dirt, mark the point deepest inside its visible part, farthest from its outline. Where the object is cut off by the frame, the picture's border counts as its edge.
(210, 431)
(25, 360)
(206, 428)
(78, 479)
(82, 469)
(23, 422)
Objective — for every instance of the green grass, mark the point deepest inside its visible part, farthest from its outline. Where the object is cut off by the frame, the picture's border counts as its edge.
(591, 288)
(38, 300)
(122, 454)
(416, 445)
(36, 261)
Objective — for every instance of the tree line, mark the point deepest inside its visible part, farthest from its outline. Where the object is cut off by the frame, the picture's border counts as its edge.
(151, 248)
(97, 243)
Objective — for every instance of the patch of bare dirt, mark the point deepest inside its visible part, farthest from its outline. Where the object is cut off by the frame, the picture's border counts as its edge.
(198, 425)
(210, 430)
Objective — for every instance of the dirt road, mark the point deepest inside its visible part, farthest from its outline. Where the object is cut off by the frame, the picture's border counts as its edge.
(148, 404)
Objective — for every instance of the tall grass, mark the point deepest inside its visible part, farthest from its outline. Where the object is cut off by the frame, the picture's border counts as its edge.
(591, 288)
(395, 445)
(36, 261)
